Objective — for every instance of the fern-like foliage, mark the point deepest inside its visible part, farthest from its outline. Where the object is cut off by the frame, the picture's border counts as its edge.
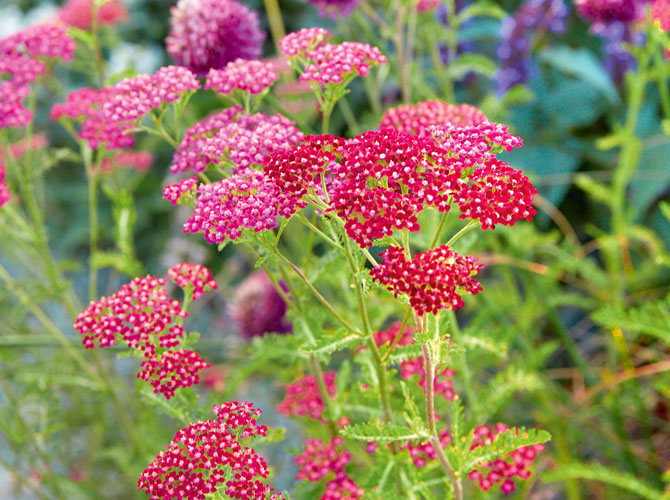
(380, 432)
(652, 318)
(504, 443)
(598, 472)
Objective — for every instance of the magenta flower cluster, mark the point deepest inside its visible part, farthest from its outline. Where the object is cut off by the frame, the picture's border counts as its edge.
(79, 13)
(303, 397)
(248, 76)
(231, 137)
(21, 61)
(247, 200)
(208, 34)
(5, 194)
(321, 461)
(325, 63)
(140, 161)
(211, 455)
(174, 192)
(433, 280)
(142, 314)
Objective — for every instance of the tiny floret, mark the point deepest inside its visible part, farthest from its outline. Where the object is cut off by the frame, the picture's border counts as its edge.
(248, 76)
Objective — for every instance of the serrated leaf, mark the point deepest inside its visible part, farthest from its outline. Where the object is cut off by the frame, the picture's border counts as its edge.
(598, 472)
(503, 443)
(379, 432)
(652, 318)
(327, 344)
(404, 353)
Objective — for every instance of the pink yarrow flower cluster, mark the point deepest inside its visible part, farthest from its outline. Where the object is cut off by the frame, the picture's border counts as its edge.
(135, 97)
(194, 276)
(86, 105)
(203, 455)
(303, 397)
(433, 280)
(5, 194)
(417, 118)
(422, 453)
(142, 314)
(502, 470)
(207, 34)
(247, 200)
(325, 63)
(321, 461)
(21, 57)
(231, 137)
(301, 42)
(660, 14)
(174, 192)
(79, 13)
(248, 76)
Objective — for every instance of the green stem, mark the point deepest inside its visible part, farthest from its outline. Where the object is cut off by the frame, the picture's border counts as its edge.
(443, 220)
(92, 177)
(397, 337)
(315, 229)
(276, 22)
(462, 366)
(465, 229)
(97, 52)
(323, 392)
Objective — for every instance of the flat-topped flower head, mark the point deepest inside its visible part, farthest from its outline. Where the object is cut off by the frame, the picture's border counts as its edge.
(433, 280)
(198, 277)
(384, 180)
(504, 470)
(48, 40)
(78, 13)
(297, 44)
(135, 97)
(247, 200)
(207, 34)
(248, 76)
(86, 105)
(417, 118)
(304, 399)
(185, 187)
(231, 138)
(209, 456)
(331, 64)
(297, 171)
(320, 461)
(141, 313)
(171, 370)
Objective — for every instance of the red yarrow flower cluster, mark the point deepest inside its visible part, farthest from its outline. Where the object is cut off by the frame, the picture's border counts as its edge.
(331, 64)
(142, 314)
(233, 138)
(202, 455)
(171, 370)
(502, 470)
(417, 118)
(303, 397)
(327, 461)
(433, 280)
(135, 97)
(79, 13)
(299, 43)
(248, 76)
(208, 34)
(247, 200)
(193, 275)
(174, 192)
(87, 105)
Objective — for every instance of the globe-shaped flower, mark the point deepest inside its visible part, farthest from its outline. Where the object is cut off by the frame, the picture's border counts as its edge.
(208, 34)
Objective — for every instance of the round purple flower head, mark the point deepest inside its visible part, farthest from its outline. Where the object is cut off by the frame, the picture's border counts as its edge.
(208, 34)
(258, 308)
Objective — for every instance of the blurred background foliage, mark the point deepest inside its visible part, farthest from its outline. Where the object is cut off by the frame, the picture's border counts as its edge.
(571, 333)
